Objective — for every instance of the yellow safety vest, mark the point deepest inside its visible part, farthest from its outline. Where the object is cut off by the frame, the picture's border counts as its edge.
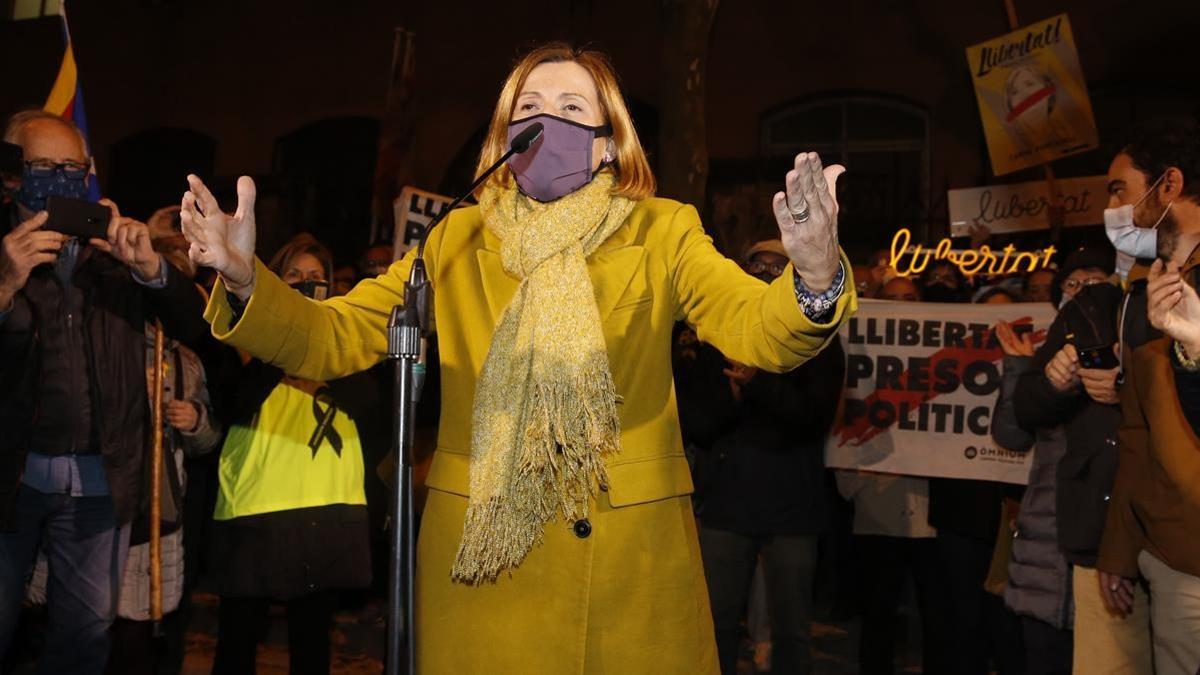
(277, 463)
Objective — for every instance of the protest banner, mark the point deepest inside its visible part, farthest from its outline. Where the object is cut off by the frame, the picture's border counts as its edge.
(1026, 206)
(414, 209)
(921, 382)
(1032, 96)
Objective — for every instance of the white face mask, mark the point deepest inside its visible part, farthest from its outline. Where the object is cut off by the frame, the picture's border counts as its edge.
(1125, 261)
(1128, 238)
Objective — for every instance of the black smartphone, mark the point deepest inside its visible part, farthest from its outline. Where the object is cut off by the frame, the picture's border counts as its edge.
(12, 160)
(77, 217)
(1100, 357)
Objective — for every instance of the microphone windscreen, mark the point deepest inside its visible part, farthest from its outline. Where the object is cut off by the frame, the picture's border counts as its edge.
(523, 140)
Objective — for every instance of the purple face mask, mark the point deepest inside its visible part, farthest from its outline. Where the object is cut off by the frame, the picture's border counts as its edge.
(559, 162)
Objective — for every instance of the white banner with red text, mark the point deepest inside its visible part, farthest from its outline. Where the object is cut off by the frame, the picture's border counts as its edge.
(922, 380)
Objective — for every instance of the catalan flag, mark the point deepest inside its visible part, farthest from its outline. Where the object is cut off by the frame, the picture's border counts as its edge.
(66, 98)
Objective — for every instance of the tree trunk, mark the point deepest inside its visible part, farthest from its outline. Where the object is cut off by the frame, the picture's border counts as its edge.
(683, 146)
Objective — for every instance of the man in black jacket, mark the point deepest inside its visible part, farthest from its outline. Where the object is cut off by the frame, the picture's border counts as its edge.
(760, 481)
(1050, 527)
(73, 401)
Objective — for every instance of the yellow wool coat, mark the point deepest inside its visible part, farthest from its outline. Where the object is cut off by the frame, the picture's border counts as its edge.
(623, 593)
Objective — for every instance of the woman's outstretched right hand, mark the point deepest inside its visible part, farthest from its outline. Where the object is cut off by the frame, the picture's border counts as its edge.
(218, 240)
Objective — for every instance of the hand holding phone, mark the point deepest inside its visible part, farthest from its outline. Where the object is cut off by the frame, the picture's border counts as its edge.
(128, 241)
(1098, 371)
(24, 248)
(1063, 369)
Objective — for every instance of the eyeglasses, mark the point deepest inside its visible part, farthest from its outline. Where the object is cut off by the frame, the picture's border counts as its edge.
(44, 168)
(758, 267)
(1072, 285)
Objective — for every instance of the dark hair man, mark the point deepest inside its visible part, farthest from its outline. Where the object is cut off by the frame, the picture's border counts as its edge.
(1154, 513)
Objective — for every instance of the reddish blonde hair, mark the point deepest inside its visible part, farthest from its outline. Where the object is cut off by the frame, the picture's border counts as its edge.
(634, 178)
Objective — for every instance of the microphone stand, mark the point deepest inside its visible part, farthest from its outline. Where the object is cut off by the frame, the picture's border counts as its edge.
(408, 329)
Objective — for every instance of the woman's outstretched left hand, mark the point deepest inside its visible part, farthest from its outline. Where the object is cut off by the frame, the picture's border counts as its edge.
(807, 216)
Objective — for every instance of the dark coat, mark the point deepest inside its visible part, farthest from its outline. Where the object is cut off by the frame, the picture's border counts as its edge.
(1039, 577)
(968, 508)
(1087, 469)
(116, 309)
(760, 466)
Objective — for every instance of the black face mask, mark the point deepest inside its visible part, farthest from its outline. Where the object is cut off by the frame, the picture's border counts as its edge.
(317, 290)
(939, 293)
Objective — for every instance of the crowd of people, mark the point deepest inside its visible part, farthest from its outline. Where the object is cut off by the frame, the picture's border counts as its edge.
(1089, 568)
(272, 488)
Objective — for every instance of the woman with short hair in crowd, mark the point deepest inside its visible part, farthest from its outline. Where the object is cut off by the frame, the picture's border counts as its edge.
(291, 516)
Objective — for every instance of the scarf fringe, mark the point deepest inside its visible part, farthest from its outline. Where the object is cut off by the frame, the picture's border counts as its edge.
(572, 427)
(494, 539)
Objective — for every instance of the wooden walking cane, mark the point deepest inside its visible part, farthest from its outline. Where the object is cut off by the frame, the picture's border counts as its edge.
(156, 467)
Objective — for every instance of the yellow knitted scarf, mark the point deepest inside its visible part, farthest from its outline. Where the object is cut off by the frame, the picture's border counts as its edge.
(545, 414)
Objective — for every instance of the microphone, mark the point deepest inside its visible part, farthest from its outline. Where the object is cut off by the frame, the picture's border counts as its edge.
(417, 289)
(520, 144)
(523, 140)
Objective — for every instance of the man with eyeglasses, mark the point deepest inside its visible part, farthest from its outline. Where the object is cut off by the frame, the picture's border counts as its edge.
(73, 401)
(760, 481)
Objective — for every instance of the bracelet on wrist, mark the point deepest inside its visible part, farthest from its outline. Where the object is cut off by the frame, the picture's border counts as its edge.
(1185, 360)
(819, 307)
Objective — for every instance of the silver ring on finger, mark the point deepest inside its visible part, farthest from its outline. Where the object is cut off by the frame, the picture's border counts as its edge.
(801, 215)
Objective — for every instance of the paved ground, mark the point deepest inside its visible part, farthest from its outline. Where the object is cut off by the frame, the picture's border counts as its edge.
(359, 640)
(359, 644)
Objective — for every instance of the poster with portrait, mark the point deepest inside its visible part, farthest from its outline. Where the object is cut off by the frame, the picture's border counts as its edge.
(1032, 96)
(921, 384)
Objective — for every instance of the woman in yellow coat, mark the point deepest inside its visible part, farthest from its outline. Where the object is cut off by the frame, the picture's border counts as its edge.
(558, 536)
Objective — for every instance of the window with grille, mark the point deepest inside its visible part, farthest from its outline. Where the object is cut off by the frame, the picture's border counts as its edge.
(884, 143)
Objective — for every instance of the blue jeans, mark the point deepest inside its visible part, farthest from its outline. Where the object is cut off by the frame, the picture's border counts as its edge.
(86, 554)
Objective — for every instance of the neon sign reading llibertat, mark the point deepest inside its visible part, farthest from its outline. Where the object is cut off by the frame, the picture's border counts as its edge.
(971, 262)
